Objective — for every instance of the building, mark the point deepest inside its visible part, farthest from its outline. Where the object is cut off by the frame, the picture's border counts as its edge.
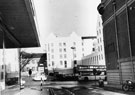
(17, 30)
(118, 29)
(97, 56)
(100, 43)
(42, 64)
(62, 51)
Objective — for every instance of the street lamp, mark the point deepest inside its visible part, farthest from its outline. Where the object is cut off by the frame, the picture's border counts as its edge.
(73, 48)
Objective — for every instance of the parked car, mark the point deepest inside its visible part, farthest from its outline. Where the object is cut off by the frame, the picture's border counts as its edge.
(22, 83)
(40, 76)
(11, 81)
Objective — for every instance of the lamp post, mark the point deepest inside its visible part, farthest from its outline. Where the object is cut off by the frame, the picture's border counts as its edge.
(73, 48)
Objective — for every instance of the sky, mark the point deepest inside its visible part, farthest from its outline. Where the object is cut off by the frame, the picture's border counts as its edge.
(62, 17)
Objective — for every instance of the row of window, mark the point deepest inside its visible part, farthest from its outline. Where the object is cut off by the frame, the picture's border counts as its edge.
(98, 32)
(60, 50)
(100, 48)
(64, 56)
(99, 40)
(60, 44)
(97, 58)
(61, 63)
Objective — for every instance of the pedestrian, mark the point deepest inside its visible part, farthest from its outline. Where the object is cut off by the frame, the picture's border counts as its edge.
(101, 82)
(30, 72)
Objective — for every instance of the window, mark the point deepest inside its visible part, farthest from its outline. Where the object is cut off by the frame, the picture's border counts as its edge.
(60, 55)
(65, 64)
(61, 63)
(101, 47)
(82, 49)
(2, 66)
(60, 50)
(99, 57)
(64, 44)
(102, 56)
(64, 49)
(65, 56)
(98, 48)
(74, 55)
(2, 75)
(52, 63)
(100, 40)
(60, 44)
(82, 43)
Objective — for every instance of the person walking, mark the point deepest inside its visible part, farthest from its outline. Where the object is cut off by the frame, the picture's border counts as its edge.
(30, 72)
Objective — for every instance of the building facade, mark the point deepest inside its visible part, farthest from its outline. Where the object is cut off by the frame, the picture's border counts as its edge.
(62, 51)
(100, 43)
(118, 30)
(97, 56)
(9, 65)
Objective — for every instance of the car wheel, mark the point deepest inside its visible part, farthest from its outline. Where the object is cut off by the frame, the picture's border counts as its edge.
(125, 87)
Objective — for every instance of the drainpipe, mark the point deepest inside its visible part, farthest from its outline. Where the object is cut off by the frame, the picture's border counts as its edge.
(4, 64)
(20, 62)
(129, 39)
(117, 42)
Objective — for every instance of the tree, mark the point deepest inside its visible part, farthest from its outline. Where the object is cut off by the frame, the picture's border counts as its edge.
(25, 59)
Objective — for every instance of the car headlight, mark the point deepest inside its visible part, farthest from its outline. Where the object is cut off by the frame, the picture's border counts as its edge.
(129, 82)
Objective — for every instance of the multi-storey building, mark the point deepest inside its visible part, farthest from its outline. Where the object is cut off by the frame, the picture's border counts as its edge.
(97, 56)
(62, 51)
(100, 42)
(118, 29)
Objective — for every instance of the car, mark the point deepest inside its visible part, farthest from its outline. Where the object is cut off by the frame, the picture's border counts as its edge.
(22, 83)
(39, 77)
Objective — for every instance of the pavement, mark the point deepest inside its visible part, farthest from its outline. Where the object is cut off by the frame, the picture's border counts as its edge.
(112, 87)
(33, 91)
(15, 90)
(36, 90)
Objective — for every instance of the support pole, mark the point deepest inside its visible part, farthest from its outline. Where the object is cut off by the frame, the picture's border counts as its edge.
(20, 61)
(4, 64)
(129, 41)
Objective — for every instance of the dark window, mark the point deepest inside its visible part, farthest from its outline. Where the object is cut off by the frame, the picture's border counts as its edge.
(65, 64)
(2, 75)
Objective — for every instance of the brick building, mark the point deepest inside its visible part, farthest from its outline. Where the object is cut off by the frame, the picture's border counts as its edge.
(118, 28)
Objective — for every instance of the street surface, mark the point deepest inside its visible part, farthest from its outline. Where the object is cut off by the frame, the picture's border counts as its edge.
(73, 88)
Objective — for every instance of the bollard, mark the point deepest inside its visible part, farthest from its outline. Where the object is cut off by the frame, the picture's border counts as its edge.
(41, 84)
(0, 90)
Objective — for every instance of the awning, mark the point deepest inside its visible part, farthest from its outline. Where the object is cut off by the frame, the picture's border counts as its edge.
(18, 24)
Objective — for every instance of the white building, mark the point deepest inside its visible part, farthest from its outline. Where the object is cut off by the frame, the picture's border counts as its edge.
(9, 59)
(61, 51)
(97, 56)
(100, 42)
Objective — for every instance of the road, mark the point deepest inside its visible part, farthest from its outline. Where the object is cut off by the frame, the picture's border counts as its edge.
(73, 88)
